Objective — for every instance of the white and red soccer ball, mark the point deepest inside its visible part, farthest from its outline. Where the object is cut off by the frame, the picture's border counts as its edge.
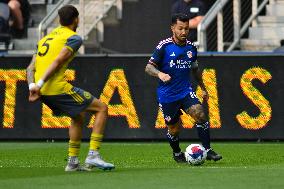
(195, 154)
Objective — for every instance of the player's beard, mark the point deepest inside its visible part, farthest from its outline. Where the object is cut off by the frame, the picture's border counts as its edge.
(75, 28)
(180, 39)
(76, 25)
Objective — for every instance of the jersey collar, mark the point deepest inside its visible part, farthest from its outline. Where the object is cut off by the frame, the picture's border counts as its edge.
(177, 43)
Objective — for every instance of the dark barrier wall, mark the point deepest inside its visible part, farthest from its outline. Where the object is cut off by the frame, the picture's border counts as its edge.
(246, 98)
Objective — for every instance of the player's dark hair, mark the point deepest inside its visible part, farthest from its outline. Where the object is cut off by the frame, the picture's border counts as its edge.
(67, 14)
(282, 42)
(180, 17)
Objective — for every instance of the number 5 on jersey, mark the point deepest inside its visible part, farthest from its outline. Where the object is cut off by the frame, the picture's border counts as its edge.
(46, 44)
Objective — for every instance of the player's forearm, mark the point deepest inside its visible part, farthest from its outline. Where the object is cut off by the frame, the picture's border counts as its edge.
(31, 71)
(51, 69)
(151, 70)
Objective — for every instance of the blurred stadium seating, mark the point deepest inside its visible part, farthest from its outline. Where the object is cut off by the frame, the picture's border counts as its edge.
(268, 30)
(106, 21)
(255, 25)
(94, 14)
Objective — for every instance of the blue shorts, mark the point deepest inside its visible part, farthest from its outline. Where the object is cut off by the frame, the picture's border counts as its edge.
(70, 104)
(172, 111)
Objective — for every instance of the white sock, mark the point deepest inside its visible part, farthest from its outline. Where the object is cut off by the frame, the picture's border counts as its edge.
(177, 154)
(73, 160)
(93, 153)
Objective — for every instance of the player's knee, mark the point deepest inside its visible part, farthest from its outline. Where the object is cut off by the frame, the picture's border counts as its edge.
(104, 108)
(201, 117)
(98, 106)
(173, 130)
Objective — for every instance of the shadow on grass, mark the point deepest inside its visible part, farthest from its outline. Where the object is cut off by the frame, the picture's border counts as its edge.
(22, 173)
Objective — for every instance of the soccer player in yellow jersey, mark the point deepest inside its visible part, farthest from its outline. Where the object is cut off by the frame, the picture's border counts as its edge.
(45, 76)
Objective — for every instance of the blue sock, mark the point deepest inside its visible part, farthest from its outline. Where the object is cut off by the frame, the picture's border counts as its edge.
(174, 142)
(204, 134)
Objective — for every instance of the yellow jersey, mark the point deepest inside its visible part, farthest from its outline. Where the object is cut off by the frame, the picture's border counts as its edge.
(48, 48)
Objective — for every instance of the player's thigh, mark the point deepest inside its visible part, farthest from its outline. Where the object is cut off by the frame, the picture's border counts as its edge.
(72, 103)
(78, 120)
(91, 103)
(171, 113)
(197, 113)
(192, 106)
(97, 106)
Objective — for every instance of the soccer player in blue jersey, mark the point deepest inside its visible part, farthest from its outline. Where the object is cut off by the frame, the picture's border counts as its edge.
(172, 61)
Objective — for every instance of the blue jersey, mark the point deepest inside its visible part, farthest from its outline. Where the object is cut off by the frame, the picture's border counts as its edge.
(177, 61)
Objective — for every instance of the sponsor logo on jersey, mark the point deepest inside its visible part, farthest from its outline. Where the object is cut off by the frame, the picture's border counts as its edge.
(180, 64)
(87, 95)
(189, 54)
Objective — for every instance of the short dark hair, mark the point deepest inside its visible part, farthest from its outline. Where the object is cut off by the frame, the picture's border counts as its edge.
(67, 14)
(180, 17)
(282, 42)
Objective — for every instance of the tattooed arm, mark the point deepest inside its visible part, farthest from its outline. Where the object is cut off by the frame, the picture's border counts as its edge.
(153, 71)
(34, 90)
(31, 71)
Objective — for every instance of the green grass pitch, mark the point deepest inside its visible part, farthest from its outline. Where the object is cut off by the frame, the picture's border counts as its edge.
(142, 165)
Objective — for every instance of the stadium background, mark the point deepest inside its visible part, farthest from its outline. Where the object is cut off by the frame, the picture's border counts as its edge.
(245, 104)
(143, 25)
(245, 88)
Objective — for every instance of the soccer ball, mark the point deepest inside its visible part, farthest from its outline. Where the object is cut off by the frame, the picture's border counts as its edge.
(195, 154)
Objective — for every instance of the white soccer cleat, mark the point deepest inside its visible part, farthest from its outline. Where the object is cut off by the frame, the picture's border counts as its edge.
(74, 165)
(96, 160)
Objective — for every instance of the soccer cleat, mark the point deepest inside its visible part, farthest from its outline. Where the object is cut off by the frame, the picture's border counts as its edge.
(211, 155)
(179, 157)
(74, 165)
(97, 161)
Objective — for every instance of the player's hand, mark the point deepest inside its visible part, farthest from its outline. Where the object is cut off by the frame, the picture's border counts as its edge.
(164, 77)
(205, 95)
(34, 94)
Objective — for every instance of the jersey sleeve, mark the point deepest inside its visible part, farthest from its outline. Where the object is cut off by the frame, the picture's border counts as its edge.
(156, 57)
(194, 57)
(74, 43)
